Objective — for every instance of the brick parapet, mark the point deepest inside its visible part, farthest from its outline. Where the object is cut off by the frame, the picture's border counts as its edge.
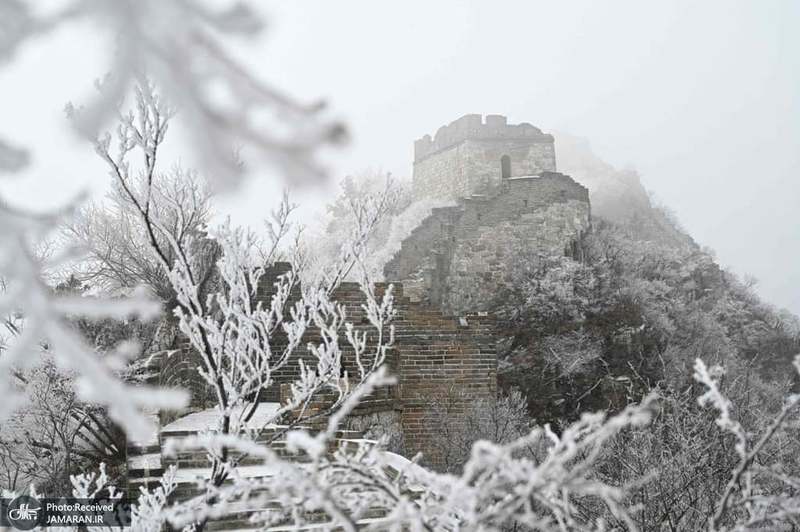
(474, 127)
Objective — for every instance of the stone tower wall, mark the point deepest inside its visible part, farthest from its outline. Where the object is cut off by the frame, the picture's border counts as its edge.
(457, 257)
(464, 157)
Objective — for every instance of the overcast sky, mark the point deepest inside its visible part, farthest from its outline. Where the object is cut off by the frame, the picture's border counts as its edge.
(700, 97)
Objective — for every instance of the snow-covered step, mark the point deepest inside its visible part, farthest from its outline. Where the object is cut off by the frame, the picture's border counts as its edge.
(145, 465)
(208, 419)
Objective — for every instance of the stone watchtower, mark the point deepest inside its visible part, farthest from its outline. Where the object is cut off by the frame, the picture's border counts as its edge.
(510, 207)
(470, 156)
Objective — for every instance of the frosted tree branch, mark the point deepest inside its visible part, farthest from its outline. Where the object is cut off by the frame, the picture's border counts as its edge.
(741, 490)
(179, 45)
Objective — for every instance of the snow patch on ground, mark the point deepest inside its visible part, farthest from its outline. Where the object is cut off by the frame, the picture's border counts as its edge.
(207, 419)
(146, 461)
(184, 475)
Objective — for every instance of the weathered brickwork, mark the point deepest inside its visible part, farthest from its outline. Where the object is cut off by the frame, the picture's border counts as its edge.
(456, 257)
(465, 157)
(438, 353)
(431, 352)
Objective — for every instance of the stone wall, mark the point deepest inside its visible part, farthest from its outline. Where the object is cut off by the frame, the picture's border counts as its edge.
(438, 353)
(350, 296)
(443, 175)
(431, 352)
(456, 257)
(464, 157)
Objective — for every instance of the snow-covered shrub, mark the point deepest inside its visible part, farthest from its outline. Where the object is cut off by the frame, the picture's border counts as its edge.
(461, 421)
(115, 244)
(760, 491)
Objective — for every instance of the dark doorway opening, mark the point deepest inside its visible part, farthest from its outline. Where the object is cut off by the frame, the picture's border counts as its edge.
(505, 166)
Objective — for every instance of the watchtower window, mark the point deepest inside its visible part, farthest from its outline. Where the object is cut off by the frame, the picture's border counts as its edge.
(505, 166)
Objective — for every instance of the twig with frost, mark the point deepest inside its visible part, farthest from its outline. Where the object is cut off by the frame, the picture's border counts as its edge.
(742, 490)
(242, 343)
(148, 513)
(180, 44)
(46, 320)
(357, 488)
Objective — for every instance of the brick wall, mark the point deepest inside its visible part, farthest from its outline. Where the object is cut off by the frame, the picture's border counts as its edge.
(432, 352)
(437, 353)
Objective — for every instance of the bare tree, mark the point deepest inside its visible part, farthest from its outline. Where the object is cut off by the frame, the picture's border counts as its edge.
(234, 337)
(55, 435)
(181, 45)
(117, 242)
(461, 421)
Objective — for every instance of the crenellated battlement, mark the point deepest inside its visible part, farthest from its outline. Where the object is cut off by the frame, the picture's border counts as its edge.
(473, 155)
(474, 127)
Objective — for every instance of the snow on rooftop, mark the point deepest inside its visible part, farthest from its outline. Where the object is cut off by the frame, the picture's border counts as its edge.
(145, 461)
(401, 464)
(183, 475)
(207, 419)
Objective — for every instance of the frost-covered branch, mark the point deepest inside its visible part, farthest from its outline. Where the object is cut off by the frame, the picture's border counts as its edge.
(502, 485)
(243, 342)
(46, 319)
(180, 44)
(745, 500)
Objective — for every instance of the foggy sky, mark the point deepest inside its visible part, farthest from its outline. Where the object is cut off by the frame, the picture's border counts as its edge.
(701, 98)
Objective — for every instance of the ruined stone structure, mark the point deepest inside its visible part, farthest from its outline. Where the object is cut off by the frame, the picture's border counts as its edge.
(510, 203)
(470, 156)
(431, 353)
